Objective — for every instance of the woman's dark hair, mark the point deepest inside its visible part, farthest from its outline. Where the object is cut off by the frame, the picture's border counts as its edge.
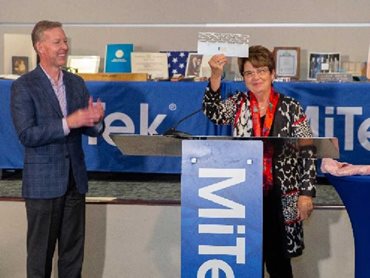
(259, 56)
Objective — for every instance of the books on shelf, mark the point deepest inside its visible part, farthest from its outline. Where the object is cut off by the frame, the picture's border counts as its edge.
(118, 57)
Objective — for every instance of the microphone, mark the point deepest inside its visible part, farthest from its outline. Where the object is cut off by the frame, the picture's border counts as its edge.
(177, 133)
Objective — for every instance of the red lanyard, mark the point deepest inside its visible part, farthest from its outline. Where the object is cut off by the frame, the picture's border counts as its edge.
(269, 117)
(264, 132)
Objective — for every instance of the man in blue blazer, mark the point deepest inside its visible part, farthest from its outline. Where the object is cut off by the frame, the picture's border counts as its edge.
(51, 109)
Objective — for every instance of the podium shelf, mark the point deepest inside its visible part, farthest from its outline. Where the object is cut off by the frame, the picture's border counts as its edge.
(159, 145)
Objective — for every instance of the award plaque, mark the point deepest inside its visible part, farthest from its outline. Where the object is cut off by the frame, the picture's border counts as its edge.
(287, 62)
(154, 64)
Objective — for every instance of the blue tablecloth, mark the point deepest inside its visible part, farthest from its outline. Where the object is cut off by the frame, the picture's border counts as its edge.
(355, 194)
(335, 109)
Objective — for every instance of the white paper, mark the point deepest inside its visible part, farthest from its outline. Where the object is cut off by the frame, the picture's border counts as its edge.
(231, 45)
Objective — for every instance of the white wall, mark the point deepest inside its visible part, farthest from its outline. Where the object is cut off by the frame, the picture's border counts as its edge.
(341, 26)
(144, 241)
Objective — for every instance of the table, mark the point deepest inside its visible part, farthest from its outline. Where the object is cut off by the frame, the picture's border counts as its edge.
(355, 194)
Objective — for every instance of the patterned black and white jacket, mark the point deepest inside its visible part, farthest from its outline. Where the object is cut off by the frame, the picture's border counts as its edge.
(293, 176)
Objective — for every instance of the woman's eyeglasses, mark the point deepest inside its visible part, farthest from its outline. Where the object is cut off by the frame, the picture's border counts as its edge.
(261, 72)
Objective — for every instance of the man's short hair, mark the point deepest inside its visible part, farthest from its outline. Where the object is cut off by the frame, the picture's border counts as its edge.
(40, 28)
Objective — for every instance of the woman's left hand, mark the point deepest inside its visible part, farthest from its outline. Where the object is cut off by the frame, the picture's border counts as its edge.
(305, 207)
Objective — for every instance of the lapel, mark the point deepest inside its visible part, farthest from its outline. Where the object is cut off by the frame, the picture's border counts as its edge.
(72, 102)
(69, 92)
(47, 90)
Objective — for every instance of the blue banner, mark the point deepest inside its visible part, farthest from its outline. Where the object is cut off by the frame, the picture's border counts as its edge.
(334, 109)
(221, 208)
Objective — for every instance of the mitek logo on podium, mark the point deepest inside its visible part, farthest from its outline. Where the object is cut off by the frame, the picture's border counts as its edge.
(221, 211)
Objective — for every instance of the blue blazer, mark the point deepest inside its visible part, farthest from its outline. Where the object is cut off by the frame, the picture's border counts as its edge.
(49, 154)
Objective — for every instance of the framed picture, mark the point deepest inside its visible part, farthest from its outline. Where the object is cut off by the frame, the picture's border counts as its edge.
(19, 65)
(322, 62)
(153, 63)
(84, 64)
(194, 65)
(287, 60)
(19, 56)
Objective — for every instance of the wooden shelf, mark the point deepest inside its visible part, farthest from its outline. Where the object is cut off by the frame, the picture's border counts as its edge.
(114, 76)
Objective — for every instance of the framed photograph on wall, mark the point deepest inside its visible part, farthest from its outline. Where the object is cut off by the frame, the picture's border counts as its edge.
(19, 65)
(322, 62)
(287, 61)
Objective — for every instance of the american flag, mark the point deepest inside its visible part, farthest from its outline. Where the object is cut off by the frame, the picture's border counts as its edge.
(177, 61)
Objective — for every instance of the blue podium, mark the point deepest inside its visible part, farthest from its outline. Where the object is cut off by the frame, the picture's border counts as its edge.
(221, 208)
(355, 194)
(221, 195)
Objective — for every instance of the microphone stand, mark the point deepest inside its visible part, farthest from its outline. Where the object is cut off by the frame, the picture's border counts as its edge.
(177, 133)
